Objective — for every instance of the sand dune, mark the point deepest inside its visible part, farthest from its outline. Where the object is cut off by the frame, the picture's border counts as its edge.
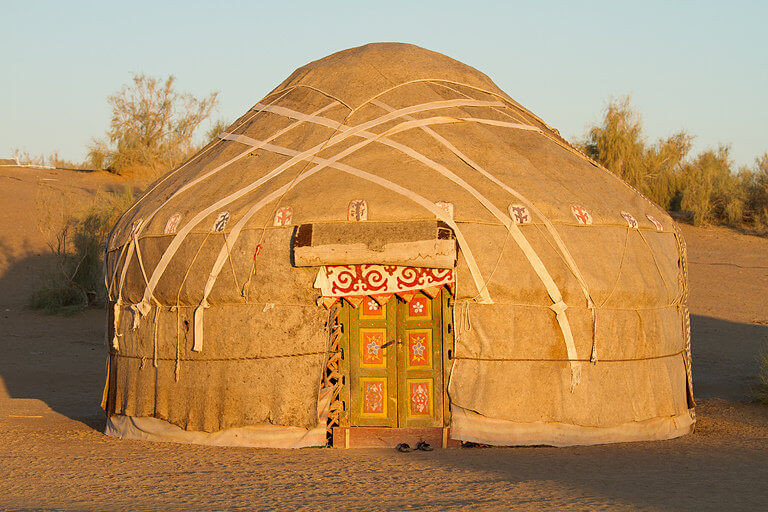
(54, 457)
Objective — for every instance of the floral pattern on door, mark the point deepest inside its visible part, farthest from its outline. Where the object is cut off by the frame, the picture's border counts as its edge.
(371, 341)
(420, 397)
(420, 348)
(419, 308)
(370, 309)
(374, 397)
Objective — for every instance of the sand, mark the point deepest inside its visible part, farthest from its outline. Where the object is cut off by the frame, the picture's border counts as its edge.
(53, 455)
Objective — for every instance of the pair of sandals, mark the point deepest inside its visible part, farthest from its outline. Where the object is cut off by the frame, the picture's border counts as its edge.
(422, 445)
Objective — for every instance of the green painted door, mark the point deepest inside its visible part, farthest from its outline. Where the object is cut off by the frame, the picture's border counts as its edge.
(395, 363)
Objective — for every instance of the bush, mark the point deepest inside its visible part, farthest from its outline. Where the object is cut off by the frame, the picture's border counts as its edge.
(216, 128)
(152, 129)
(618, 144)
(51, 160)
(704, 185)
(77, 281)
(760, 392)
(710, 190)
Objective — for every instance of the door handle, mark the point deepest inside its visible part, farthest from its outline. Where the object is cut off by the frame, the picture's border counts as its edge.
(390, 342)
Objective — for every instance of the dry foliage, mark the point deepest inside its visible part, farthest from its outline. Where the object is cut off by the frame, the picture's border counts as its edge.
(216, 128)
(51, 160)
(152, 129)
(760, 393)
(705, 185)
(76, 279)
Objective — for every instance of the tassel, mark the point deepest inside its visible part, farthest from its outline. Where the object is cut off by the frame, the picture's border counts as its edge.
(139, 310)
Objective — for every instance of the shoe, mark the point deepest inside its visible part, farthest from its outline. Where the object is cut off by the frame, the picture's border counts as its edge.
(424, 446)
(403, 447)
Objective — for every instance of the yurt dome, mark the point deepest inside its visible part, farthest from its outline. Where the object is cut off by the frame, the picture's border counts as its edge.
(387, 248)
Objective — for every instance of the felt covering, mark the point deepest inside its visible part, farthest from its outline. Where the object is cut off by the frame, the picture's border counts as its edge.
(410, 244)
(567, 313)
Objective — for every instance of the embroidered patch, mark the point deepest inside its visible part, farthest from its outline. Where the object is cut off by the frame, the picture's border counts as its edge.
(172, 224)
(358, 210)
(381, 281)
(631, 221)
(519, 214)
(446, 207)
(221, 222)
(582, 215)
(283, 216)
(659, 226)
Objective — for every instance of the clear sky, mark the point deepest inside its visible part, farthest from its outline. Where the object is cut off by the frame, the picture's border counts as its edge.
(701, 66)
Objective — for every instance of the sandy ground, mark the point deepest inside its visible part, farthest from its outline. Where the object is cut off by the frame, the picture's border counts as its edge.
(53, 455)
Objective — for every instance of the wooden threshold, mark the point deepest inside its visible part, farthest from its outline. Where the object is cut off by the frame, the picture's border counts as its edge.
(386, 437)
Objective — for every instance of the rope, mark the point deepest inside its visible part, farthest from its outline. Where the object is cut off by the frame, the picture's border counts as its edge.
(231, 265)
(495, 267)
(297, 157)
(618, 273)
(502, 112)
(658, 268)
(177, 366)
(333, 163)
(219, 359)
(566, 360)
(154, 336)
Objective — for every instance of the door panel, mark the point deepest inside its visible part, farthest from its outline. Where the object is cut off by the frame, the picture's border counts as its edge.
(420, 362)
(373, 365)
(396, 362)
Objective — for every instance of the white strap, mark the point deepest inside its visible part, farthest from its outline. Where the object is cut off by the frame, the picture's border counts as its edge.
(187, 228)
(197, 319)
(517, 235)
(195, 182)
(333, 162)
(117, 310)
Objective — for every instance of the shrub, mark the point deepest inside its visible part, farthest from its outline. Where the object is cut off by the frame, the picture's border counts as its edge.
(755, 183)
(216, 128)
(51, 160)
(76, 280)
(704, 185)
(618, 144)
(760, 392)
(152, 129)
(710, 189)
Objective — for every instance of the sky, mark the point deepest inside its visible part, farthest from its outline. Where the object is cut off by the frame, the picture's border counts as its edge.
(699, 66)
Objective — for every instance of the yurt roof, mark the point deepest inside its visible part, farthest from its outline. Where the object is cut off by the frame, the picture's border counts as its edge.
(395, 125)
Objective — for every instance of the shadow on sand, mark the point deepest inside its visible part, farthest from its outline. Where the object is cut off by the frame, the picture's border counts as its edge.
(57, 360)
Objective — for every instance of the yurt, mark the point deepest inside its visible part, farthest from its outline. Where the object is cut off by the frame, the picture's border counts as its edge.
(389, 249)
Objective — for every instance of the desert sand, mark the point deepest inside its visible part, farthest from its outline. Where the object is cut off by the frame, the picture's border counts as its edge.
(53, 455)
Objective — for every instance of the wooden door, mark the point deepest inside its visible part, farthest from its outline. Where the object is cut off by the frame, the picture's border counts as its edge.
(373, 363)
(395, 366)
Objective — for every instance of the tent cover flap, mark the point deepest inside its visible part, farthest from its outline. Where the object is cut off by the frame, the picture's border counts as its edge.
(415, 244)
